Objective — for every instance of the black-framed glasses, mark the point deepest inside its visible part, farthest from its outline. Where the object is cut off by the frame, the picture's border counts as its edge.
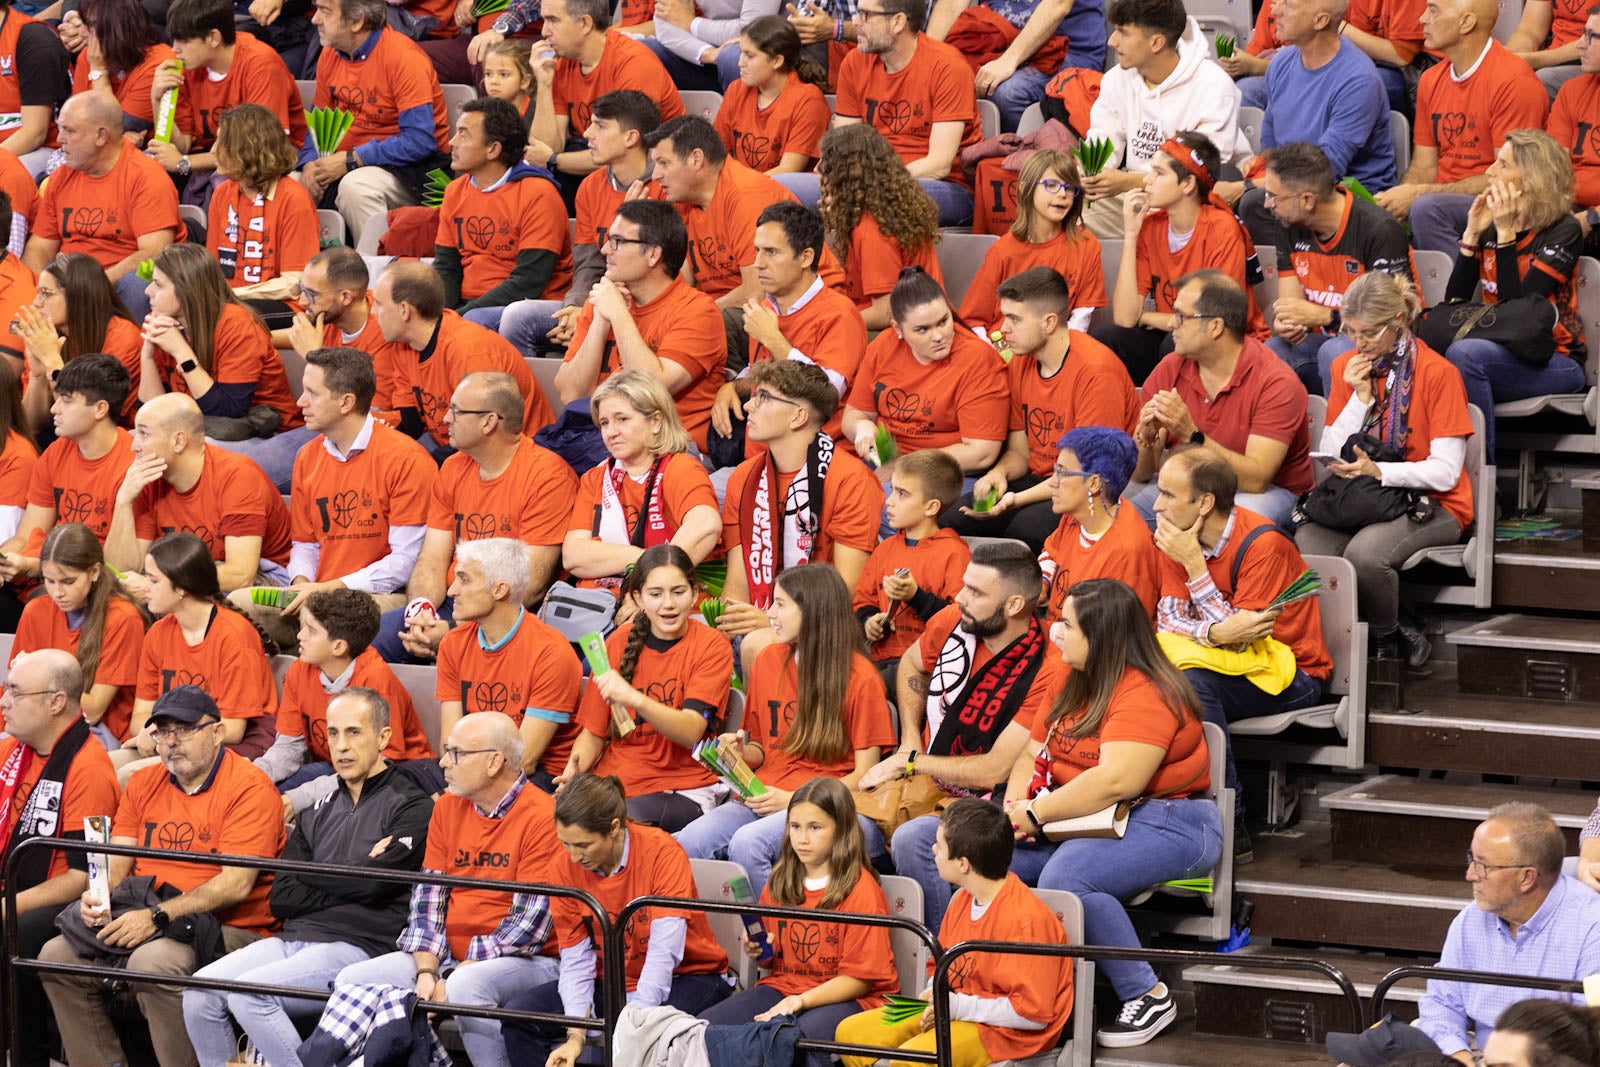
(1480, 868)
(1181, 317)
(863, 15)
(456, 413)
(761, 396)
(170, 734)
(1587, 37)
(617, 242)
(452, 754)
(18, 694)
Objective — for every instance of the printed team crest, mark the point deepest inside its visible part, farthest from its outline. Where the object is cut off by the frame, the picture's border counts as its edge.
(7, 66)
(231, 227)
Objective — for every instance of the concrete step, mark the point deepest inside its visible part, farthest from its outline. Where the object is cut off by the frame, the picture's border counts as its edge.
(1181, 1046)
(1532, 657)
(1552, 575)
(1301, 895)
(1393, 819)
(1299, 1006)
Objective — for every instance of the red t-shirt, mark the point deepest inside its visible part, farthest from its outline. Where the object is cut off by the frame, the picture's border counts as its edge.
(303, 708)
(682, 483)
(769, 712)
(937, 564)
(257, 76)
(807, 954)
(1264, 398)
(722, 235)
(827, 330)
(395, 76)
(239, 813)
(1217, 241)
(256, 239)
(935, 86)
(1467, 121)
(1125, 552)
(461, 348)
(1138, 712)
(527, 501)
(1398, 23)
(691, 673)
(874, 260)
(931, 405)
(852, 502)
(624, 64)
(90, 789)
(759, 136)
(241, 352)
(596, 205)
(233, 498)
(43, 625)
(1077, 259)
(533, 671)
(655, 865)
(104, 217)
(1092, 388)
(490, 228)
(78, 489)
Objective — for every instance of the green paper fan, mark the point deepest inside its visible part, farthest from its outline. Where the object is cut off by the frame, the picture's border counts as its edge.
(1094, 154)
(711, 609)
(1307, 585)
(328, 127)
(271, 596)
(1225, 45)
(883, 444)
(433, 189)
(481, 8)
(712, 575)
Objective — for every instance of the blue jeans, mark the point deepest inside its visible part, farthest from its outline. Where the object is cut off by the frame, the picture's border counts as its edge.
(1304, 359)
(912, 851)
(818, 1024)
(274, 454)
(273, 961)
(387, 643)
(532, 1043)
(732, 831)
(1227, 698)
(710, 77)
(1166, 839)
(1014, 95)
(1277, 503)
(953, 199)
(1492, 374)
(1437, 220)
(1331, 349)
(489, 983)
(524, 323)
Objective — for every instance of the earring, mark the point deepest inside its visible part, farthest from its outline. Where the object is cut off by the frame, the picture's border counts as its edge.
(1091, 504)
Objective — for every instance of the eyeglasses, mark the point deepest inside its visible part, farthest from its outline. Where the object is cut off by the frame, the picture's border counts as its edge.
(1362, 337)
(17, 694)
(170, 734)
(1478, 868)
(41, 294)
(456, 413)
(1181, 317)
(1271, 199)
(1058, 185)
(862, 14)
(617, 242)
(1587, 38)
(761, 396)
(308, 295)
(452, 754)
(1063, 472)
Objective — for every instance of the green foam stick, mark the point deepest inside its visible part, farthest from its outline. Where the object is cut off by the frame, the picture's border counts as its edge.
(271, 596)
(594, 650)
(883, 444)
(988, 500)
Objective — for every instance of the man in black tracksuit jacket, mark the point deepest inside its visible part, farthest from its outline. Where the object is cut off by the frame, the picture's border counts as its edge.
(376, 818)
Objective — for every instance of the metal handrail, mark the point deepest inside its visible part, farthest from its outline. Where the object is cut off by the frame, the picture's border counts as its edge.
(1380, 992)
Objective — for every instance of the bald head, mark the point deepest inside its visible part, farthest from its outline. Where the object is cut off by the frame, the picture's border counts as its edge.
(48, 668)
(414, 283)
(1336, 9)
(94, 110)
(174, 413)
(494, 391)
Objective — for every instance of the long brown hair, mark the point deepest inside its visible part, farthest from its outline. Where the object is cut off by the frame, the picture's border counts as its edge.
(253, 140)
(74, 546)
(667, 555)
(1039, 166)
(865, 174)
(91, 303)
(203, 295)
(1120, 637)
(830, 642)
(776, 37)
(846, 859)
(12, 417)
(183, 559)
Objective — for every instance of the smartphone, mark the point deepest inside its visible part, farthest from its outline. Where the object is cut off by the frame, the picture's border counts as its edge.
(1327, 457)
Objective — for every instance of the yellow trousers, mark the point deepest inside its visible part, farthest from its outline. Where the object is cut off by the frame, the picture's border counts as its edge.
(868, 1028)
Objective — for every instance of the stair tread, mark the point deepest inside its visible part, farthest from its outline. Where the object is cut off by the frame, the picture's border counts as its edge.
(1364, 969)
(1456, 800)
(1297, 861)
(1436, 696)
(1533, 631)
(1188, 1049)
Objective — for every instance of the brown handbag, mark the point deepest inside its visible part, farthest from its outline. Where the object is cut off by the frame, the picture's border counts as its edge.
(897, 802)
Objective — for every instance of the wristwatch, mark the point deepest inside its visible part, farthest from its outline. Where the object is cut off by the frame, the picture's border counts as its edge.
(96, 75)
(1198, 437)
(160, 918)
(188, 366)
(351, 162)
(502, 26)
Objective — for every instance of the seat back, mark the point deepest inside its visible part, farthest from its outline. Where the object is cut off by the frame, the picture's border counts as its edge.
(1510, 17)
(1266, 291)
(419, 682)
(372, 232)
(1250, 119)
(1400, 137)
(1079, 1046)
(702, 102)
(960, 256)
(733, 718)
(331, 227)
(1587, 283)
(713, 880)
(910, 954)
(280, 670)
(194, 218)
(294, 368)
(988, 118)
(1316, 420)
(544, 372)
(1433, 274)
(1032, 119)
(455, 98)
(308, 92)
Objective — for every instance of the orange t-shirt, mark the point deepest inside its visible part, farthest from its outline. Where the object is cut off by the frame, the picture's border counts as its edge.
(239, 813)
(489, 228)
(43, 625)
(930, 405)
(16, 470)
(369, 339)
(759, 136)
(527, 501)
(684, 325)
(228, 663)
(18, 287)
(1126, 552)
(807, 954)
(691, 673)
(132, 88)
(935, 86)
(122, 340)
(241, 351)
(233, 498)
(1092, 388)
(78, 489)
(532, 671)
(396, 75)
(520, 846)
(1264, 34)
(1572, 124)
(1272, 564)
(1077, 259)
(682, 483)
(1038, 988)
(1217, 241)
(256, 76)
(104, 217)
(1046, 682)
(852, 503)
(827, 330)
(1467, 121)
(596, 205)
(1438, 409)
(874, 260)
(722, 235)
(347, 508)
(656, 866)
(90, 789)
(937, 564)
(303, 708)
(1138, 712)
(256, 239)
(20, 186)
(624, 64)
(769, 711)
(461, 348)
(13, 24)
(1398, 23)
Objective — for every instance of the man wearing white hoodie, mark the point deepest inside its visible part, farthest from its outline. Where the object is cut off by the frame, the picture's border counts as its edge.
(1164, 82)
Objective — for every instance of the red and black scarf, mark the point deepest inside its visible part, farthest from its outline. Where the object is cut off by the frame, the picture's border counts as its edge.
(775, 535)
(41, 812)
(968, 709)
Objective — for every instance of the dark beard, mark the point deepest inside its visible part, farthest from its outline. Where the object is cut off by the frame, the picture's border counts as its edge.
(981, 628)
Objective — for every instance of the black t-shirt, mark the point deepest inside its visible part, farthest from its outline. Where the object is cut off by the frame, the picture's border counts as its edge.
(44, 69)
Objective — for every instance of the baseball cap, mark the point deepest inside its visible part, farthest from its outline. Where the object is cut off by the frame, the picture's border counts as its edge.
(185, 703)
(1385, 1040)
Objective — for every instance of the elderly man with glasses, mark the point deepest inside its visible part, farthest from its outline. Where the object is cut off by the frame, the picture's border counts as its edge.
(476, 946)
(169, 915)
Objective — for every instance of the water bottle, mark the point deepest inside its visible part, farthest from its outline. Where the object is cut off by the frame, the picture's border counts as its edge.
(1001, 346)
(754, 929)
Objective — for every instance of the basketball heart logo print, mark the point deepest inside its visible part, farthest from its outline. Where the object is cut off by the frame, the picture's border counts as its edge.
(178, 836)
(477, 230)
(491, 696)
(805, 939)
(86, 221)
(1044, 427)
(476, 527)
(961, 972)
(351, 98)
(668, 692)
(171, 679)
(753, 149)
(73, 505)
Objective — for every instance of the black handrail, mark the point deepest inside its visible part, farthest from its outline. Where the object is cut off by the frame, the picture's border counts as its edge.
(616, 981)
(9, 962)
(1380, 992)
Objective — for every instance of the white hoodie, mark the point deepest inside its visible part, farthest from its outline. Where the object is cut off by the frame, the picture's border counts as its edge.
(1198, 95)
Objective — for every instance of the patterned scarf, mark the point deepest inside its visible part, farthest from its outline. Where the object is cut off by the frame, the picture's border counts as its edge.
(800, 517)
(1398, 369)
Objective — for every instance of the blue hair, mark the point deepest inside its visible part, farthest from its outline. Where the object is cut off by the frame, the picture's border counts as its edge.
(1105, 451)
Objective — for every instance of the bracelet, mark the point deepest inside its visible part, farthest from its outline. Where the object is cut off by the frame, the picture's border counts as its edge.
(434, 971)
(911, 764)
(1028, 811)
(838, 29)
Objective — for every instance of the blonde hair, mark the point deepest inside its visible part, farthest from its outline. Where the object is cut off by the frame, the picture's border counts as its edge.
(1379, 298)
(648, 397)
(1547, 178)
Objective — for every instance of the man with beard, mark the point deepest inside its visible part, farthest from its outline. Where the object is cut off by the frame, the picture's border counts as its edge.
(985, 651)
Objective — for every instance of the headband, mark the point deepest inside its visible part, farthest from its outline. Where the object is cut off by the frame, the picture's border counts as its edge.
(1189, 161)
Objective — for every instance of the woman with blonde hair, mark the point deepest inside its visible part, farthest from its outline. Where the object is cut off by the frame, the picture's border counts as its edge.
(261, 228)
(1048, 232)
(1520, 240)
(878, 218)
(649, 492)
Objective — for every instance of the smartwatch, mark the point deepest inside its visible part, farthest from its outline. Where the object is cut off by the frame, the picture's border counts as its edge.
(1198, 437)
(160, 918)
(188, 366)
(351, 162)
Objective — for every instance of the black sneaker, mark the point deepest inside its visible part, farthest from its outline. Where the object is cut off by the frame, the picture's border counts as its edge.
(1138, 1022)
(1244, 850)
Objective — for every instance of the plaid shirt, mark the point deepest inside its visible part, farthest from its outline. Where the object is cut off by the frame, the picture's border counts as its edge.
(1194, 617)
(523, 932)
(354, 1012)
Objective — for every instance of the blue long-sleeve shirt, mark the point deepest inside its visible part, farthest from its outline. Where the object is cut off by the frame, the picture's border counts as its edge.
(415, 141)
(1341, 107)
